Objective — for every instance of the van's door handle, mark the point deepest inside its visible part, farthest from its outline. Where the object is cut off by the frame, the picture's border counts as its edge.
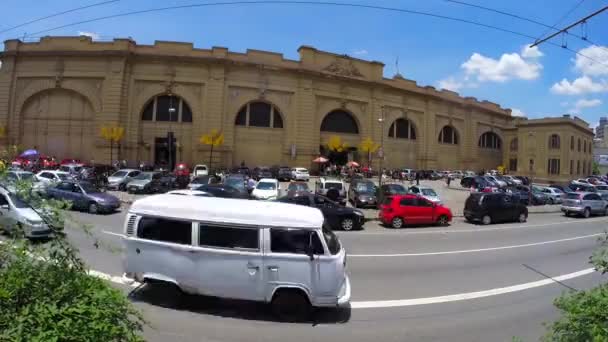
(253, 267)
(273, 268)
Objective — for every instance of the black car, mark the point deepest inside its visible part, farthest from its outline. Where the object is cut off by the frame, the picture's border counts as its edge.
(261, 172)
(386, 191)
(284, 174)
(524, 180)
(362, 193)
(336, 215)
(224, 191)
(492, 207)
(477, 182)
(237, 181)
(243, 170)
(199, 181)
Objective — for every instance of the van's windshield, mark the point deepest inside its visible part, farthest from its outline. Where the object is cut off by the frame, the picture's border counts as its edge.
(333, 244)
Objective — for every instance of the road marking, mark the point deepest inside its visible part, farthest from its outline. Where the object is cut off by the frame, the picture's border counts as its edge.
(473, 250)
(484, 229)
(112, 233)
(468, 295)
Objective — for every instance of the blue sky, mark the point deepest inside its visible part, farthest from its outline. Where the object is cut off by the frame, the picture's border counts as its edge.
(472, 60)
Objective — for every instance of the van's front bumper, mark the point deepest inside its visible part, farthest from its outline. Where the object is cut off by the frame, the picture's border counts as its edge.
(344, 296)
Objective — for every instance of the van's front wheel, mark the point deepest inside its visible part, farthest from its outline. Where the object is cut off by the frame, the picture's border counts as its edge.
(291, 306)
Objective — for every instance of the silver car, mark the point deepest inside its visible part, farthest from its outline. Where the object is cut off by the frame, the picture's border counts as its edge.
(14, 213)
(555, 195)
(119, 179)
(584, 204)
(426, 192)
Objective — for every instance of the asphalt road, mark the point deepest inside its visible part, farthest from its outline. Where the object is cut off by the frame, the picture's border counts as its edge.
(398, 279)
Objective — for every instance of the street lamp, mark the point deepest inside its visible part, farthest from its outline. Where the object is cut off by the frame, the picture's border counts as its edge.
(381, 151)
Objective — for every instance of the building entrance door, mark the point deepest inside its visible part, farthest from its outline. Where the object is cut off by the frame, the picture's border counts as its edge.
(163, 155)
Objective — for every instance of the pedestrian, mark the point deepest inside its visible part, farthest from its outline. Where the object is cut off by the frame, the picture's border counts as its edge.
(417, 178)
(449, 179)
(250, 185)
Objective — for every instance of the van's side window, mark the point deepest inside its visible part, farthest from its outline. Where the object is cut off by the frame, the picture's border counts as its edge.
(159, 229)
(294, 241)
(229, 237)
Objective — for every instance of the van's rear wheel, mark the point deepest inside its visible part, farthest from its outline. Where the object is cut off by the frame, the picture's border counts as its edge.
(291, 306)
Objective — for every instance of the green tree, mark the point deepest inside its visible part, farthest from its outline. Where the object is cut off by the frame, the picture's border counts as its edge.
(596, 168)
(45, 290)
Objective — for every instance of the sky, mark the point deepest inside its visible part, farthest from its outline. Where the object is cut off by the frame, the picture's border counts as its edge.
(488, 64)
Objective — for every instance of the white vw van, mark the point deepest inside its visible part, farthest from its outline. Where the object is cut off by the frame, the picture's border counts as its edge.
(273, 252)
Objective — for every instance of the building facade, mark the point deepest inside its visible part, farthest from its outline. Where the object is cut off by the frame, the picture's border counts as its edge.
(57, 94)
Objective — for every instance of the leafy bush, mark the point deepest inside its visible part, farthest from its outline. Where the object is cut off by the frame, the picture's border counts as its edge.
(45, 291)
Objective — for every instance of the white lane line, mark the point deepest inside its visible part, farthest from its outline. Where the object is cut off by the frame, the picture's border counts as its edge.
(473, 250)
(468, 295)
(112, 233)
(479, 230)
(414, 301)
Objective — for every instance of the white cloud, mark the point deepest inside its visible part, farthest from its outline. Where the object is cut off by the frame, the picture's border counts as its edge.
(531, 52)
(518, 112)
(581, 85)
(93, 35)
(450, 83)
(509, 66)
(584, 103)
(564, 103)
(361, 52)
(595, 62)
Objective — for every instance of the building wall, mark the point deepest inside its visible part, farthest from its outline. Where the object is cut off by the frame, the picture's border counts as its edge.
(110, 84)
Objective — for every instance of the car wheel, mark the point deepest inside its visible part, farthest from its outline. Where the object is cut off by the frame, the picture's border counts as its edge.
(486, 219)
(551, 201)
(347, 224)
(586, 213)
(397, 222)
(522, 217)
(93, 208)
(291, 306)
(567, 213)
(122, 187)
(443, 220)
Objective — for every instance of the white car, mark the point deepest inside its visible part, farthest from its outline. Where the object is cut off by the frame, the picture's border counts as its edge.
(49, 177)
(513, 179)
(426, 192)
(15, 212)
(500, 182)
(190, 193)
(200, 170)
(266, 189)
(300, 173)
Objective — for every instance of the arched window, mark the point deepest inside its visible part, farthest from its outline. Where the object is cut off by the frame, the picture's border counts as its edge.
(554, 142)
(402, 129)
(339, 121)
(259, 114)
(490, 140)
(514, 146)
(167, 108)
(448, 135)
(579, 144)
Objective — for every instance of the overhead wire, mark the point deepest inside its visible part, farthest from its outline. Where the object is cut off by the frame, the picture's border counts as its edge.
(57, 14)
(561, 19)
(303, 2)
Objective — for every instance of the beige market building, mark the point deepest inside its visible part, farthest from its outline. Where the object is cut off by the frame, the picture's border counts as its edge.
(57, 94)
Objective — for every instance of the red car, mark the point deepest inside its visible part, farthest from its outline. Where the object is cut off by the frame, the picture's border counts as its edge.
(404, 210)
(48, 163)
(182, 169)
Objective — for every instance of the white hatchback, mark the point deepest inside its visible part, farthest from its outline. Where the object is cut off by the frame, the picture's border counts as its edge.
(273, 252)
(300, 173)
(266, 189)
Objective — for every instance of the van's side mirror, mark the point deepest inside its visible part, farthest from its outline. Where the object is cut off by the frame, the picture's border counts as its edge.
(5, 206)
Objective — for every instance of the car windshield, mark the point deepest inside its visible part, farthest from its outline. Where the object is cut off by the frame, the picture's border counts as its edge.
(119, 174)
(89, 188)
(18, 202)
(235, 182)
(297, 187)
(428, 192)
(266, 186)
(333, 185)
(365, 187)
(144, 176)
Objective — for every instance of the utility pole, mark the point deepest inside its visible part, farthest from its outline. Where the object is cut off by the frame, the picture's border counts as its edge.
(565, 29)
(381, 152)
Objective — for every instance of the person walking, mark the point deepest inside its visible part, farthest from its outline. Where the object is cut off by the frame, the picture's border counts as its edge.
(250, 185)
(417, 178)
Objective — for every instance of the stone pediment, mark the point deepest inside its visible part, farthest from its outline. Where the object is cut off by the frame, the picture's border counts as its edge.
(343, 67)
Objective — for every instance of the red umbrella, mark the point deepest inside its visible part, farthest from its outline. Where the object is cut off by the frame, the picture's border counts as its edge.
(320, 160)
(352, 164)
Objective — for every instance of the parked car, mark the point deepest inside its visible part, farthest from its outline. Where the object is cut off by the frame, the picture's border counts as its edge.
(237, 181)
(67, 161)
(563, 188)
(554, 195)
(266, 189)
(601, 188)
(408, 173)
(182, 170)
(336, 215)
(515, 180)
(243, 170)
(580, 181)
(224, 191)
(362, 193)
(584, 204)
(15, 176)
(495, 182)
(323, 184)
(470, 173)
(386, 191)
(119, 179)
(538, 196)
(261, 172)
(520, 192)
(84, 196)
(295, 188)
(97, 174)
(494, 207)
(49, 177)
(300, 173)
(146, 182)
(476, 182)
(190, 193)
(525, 180)
(595, 181)
(200, 170)
(14, 212)
(426, 192)
(581, 187)
(234, 254)
(400, 210)
(284, 174)
(199, 181)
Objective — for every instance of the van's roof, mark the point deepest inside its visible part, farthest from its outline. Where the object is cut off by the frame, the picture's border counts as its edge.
(225, 210)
